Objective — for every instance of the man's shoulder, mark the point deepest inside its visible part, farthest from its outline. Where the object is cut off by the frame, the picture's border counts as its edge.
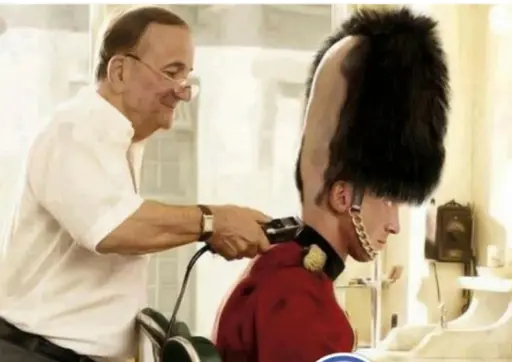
(66, 117)
(84, 118)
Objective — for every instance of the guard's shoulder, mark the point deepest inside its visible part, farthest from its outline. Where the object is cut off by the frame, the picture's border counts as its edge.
(281, 271)
(290, 291)
(281, 256)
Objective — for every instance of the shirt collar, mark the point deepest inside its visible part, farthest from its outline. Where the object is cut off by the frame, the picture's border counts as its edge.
(117, 123)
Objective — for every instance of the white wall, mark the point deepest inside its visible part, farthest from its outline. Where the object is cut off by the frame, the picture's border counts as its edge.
(477, 161)
(35, 72)
(477, 167)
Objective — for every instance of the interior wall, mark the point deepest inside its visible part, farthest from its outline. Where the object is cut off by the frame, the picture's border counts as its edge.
(42, 58)
(455, 24)
(492, 157)
(474, 166)
(477, 166)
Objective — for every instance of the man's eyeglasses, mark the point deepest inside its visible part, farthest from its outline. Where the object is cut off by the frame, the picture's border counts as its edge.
(181, 87)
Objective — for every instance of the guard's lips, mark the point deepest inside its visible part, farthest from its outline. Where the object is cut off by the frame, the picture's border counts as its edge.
(169, 101)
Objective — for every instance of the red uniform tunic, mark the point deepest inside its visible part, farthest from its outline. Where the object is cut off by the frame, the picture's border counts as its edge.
(279, 311)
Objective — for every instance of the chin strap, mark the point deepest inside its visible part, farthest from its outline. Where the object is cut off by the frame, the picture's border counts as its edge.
(357, 221)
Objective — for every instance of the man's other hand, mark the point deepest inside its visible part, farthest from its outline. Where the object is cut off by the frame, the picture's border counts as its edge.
(238, 233)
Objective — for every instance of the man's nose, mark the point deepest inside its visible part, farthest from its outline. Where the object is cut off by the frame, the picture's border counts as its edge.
(185, 91)
(393, 226)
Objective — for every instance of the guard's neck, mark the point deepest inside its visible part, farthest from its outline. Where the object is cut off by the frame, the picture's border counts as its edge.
(328, 226)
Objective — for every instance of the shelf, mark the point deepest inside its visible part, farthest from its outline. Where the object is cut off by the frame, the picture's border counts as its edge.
(489, 284)
(370, 285)
(357, 286)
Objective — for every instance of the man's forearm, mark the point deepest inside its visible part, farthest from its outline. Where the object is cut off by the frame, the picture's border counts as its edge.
(154, 227)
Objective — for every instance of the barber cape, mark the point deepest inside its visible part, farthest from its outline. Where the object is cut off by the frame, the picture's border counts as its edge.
(279, 311)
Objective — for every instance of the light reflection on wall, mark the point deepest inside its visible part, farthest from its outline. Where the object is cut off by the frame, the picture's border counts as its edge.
(500, 21)
(20, 71)
(35, 72)
(232, 114)
(413, 225)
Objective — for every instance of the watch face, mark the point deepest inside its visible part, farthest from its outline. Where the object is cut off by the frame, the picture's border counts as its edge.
(207, 223)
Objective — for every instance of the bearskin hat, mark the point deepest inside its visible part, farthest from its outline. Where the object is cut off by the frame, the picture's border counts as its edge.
(390, 135)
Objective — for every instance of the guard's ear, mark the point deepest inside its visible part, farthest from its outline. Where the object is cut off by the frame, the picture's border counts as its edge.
(340, 196)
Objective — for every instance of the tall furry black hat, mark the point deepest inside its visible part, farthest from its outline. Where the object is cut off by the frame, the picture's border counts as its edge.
(391, 129)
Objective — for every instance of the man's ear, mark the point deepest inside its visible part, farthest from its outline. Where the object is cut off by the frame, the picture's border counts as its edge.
(116, 73)
(340, 196)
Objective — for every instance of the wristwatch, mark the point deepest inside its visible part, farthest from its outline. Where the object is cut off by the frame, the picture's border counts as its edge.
(206, 223)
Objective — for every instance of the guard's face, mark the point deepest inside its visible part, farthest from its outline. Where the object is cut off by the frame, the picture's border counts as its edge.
(380, 218)
(157, 78)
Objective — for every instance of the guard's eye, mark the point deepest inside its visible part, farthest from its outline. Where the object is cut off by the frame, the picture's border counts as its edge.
(170, 74)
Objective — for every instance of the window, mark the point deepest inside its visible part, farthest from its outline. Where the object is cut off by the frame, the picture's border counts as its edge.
(42, 60)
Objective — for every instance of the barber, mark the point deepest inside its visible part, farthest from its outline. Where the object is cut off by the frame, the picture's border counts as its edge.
(73, 274)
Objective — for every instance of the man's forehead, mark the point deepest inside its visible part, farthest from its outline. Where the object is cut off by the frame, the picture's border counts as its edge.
(168, 44)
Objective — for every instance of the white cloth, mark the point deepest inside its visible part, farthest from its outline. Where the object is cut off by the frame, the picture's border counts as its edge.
(79, 186)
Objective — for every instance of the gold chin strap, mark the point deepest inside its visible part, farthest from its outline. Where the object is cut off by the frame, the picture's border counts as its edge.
(357, 221)
(362, 235)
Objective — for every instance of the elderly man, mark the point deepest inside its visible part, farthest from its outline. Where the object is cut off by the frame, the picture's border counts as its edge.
(376, 119)
(73, 272)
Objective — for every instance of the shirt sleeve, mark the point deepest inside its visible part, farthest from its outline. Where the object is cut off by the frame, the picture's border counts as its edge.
(294, 325)
(84, 182)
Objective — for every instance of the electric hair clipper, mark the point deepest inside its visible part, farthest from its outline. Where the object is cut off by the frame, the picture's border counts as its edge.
(282, 229)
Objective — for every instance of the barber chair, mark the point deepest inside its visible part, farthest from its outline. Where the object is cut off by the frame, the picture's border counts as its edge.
(169, 340)
(179, 346)
(482, 333)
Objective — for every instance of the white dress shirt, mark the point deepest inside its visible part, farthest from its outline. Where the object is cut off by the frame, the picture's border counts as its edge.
(81, 183)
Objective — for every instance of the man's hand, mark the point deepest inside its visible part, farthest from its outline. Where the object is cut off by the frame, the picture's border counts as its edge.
(237, 232)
